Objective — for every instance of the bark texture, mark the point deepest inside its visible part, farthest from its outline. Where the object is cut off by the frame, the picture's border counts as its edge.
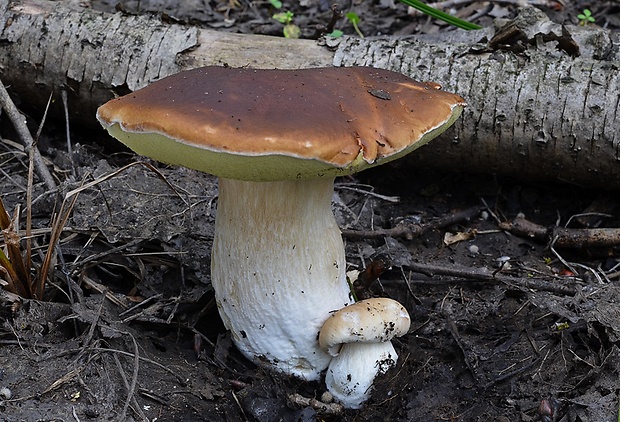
(539, 114)
(46, 46)
(536, 109)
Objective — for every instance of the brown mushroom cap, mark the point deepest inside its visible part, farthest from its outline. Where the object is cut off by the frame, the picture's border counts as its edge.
(280, 124)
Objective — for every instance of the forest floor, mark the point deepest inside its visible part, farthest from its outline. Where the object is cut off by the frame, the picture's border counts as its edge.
(505, 327)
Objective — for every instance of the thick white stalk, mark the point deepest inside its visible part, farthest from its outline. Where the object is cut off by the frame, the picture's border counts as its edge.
(278, 270)
(351, 374)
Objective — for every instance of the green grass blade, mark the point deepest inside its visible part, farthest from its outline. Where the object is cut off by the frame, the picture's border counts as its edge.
(438, 14)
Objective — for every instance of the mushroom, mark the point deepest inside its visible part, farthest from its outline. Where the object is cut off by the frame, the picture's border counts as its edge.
(358, 337)
(277, 139)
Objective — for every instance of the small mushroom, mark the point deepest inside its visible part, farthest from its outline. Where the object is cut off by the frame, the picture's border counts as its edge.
(277, 139)
(359, 337)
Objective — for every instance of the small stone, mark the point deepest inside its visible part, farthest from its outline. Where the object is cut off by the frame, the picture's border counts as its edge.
(5, 393)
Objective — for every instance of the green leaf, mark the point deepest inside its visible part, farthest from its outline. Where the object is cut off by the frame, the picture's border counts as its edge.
(336, 33)
(291, 31)
(585, 17)
(438, 14)
(353, 18)
(284, 17)
(276, 3)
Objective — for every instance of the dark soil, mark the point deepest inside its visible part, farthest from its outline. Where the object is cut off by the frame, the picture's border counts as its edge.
(505, 327)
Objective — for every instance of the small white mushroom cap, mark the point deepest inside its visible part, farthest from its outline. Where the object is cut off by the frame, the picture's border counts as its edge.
(368, 321)
(358, 336)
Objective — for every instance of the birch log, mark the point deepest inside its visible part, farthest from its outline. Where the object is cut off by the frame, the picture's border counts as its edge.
(538, 112)
(46, 47)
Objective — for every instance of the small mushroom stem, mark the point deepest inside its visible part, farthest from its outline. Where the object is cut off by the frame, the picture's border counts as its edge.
(351, 374)
(278, 270)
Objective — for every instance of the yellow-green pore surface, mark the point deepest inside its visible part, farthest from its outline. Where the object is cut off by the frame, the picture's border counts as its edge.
(269, 125)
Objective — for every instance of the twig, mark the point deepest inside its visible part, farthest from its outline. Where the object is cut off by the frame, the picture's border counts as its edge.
(65, 103)
(484, 275)
(31, 166)
(571, 265)
(22, 130)
(326, 409)
(58, 223)
(563, 237)
(120, 170)
(112, 251)
(131, 389)
(140, 304)
(69, 375)
(178, 377)
(367, 192)
(91, 331)
(410, 231)
(329, 28)
(92, 284)
(234, 396)
(456, 336)
(75, 416)
(512, 374)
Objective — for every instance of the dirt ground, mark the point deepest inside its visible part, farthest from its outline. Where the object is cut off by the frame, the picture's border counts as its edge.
(505, 326)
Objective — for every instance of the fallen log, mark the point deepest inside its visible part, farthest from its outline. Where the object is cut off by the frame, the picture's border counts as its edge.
(537, 109)
(47, 47)
(543, 98)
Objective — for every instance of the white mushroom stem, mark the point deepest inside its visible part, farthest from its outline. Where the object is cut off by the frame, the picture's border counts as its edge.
(278, 270)
(351, 374)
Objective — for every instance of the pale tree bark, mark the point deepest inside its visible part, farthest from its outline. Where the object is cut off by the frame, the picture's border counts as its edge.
(46, 46)
(538, 112)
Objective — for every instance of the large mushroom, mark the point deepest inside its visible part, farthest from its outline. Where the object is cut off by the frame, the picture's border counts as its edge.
(277, 139)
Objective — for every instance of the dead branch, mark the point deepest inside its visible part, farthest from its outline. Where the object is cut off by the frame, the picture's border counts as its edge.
(19, 122)
(485, 275)
(409, 230)
(563, 237)
(327, 409)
